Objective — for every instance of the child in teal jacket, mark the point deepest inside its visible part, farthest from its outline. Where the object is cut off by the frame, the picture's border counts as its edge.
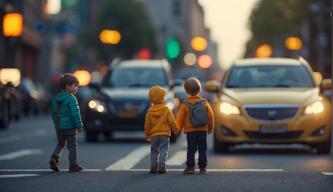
(67, 120)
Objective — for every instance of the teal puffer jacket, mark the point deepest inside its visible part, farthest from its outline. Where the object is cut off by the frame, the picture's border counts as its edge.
(70, 117)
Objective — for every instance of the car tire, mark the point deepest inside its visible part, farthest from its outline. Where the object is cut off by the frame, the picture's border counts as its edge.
(91, 136)
(220, 147)
(4, 122)
(324, 148)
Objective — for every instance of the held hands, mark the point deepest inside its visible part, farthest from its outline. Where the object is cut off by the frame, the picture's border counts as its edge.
(148, 139)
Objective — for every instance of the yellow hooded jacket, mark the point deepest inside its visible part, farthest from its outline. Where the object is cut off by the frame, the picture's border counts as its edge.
(160, 121)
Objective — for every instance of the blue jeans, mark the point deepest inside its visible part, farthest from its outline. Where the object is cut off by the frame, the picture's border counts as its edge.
(159, 150)
(196, 141)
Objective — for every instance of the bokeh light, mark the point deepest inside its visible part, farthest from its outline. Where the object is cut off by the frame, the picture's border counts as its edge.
(190, 59)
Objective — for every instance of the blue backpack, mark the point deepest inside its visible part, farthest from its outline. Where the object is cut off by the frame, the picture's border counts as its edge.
(198, 113)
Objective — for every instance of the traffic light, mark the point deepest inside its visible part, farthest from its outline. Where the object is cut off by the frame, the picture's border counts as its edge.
(199, 44)
(172, 49)
(144, 53)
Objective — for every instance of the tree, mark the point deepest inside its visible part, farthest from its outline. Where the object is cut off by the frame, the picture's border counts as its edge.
(131, 19)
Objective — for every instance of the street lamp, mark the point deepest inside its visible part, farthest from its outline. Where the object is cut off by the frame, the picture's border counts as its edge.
(293, 43)
(12, 25)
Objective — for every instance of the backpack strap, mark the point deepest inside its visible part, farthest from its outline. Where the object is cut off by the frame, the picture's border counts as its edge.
(190, 105)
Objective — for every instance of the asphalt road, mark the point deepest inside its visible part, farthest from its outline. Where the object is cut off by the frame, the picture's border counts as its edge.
(123, 163)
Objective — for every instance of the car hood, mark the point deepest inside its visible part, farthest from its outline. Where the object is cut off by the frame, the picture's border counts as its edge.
(272, 96)
(126, 94)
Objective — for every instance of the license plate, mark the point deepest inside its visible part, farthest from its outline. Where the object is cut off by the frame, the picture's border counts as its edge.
(273, 128)
(128, 114)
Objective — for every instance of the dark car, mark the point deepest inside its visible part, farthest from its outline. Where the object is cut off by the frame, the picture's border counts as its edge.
(121, 101)
(10, 102)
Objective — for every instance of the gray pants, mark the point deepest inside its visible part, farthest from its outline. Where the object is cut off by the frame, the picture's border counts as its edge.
(69, 137)
(159, 150)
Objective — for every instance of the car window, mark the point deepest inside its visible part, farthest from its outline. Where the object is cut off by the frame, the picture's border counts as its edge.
(269, 76)
(135, 77)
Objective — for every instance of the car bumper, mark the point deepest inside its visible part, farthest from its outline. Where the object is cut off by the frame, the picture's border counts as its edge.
(106, 122)
(301, 129)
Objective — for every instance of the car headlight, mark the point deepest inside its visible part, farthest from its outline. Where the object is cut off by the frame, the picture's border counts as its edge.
(97, 105)
(315, 108)
(229, 109)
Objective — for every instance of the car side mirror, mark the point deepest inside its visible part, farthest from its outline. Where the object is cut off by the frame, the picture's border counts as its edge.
(317, 78)
(95, 85)
(213, 86)
(326, 84)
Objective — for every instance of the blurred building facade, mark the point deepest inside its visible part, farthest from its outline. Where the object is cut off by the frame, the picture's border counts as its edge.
(24, 52)
(181, 20)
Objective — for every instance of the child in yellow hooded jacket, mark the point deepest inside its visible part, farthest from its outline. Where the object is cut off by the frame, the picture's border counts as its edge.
(159, 122)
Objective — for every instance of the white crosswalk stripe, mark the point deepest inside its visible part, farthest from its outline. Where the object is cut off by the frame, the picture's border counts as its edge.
(18, 175)
(327, 173)
(20, 153)
(131, 159)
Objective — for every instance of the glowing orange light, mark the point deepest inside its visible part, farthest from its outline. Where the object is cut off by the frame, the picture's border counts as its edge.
(199, 43)
(12, 25)
(205, 61)
(293, 43)
(263, 51)
(83, 76)
(108, 36)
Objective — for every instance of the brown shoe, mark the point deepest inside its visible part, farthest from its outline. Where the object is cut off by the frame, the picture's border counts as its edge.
(54, 165)
(153, 169)
(188, 170)
(203, 170)
(75, 168)
(162, 170)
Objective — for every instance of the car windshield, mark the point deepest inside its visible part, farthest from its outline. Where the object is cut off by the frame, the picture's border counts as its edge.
(135, 77)
(269, 76)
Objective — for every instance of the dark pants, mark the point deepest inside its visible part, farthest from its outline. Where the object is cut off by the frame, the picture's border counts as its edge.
(196, 141)
(69, 137)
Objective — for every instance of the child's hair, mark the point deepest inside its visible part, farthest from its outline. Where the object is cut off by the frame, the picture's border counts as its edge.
(67, 79)
(192, 86)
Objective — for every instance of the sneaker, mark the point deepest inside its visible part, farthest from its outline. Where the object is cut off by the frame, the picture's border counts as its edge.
(162, 170)
(54, 165)
(203, 170)
(153, 169)
(75, 168)
(188, 170)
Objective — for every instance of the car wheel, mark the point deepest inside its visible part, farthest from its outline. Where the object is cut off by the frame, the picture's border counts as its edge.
(91, 136)
(220, 147)
(324, 148)
(4, 122)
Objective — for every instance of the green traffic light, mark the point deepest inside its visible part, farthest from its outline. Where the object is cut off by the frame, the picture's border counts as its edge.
(172, 49)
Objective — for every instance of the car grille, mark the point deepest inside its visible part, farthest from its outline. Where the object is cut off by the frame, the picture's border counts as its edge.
(127, 105)
(271, 113)
(273, 136)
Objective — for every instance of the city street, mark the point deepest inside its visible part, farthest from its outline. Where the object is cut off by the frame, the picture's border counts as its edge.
(123, 163)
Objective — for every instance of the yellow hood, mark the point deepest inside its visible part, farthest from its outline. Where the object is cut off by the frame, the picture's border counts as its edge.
(157, 94)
